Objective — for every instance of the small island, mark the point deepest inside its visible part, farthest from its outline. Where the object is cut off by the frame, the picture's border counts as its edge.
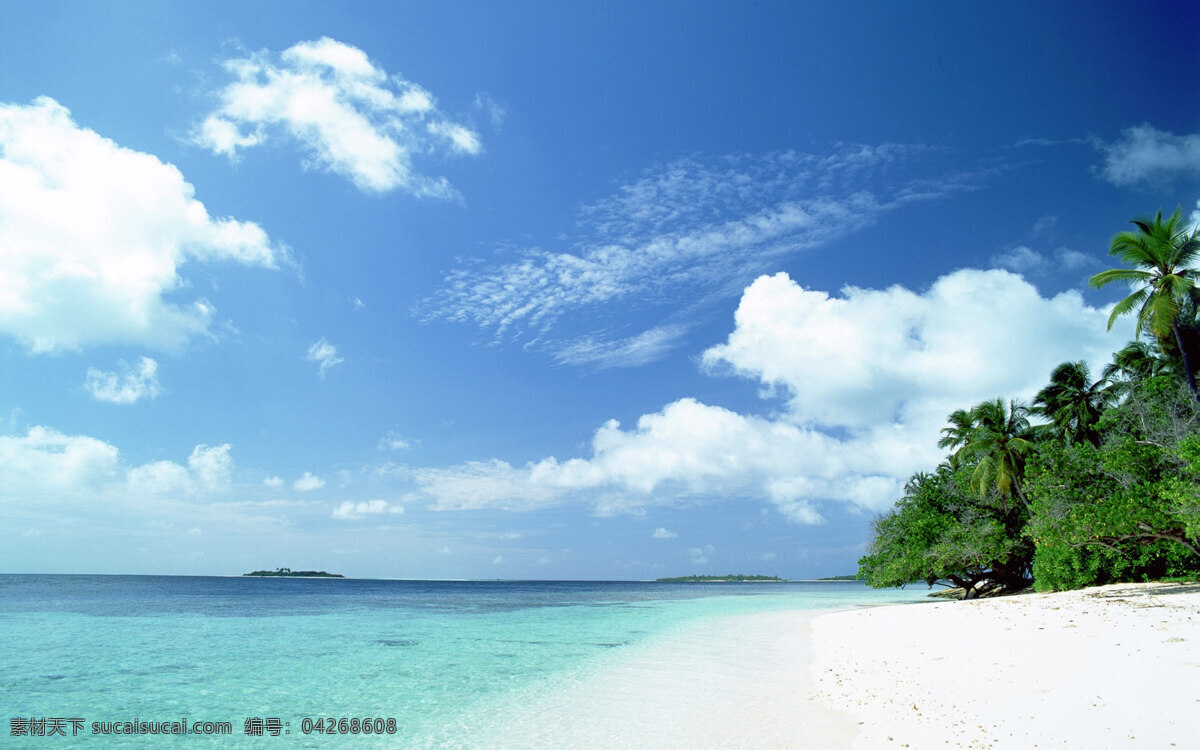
(839, 578)
(739, 578)
(289, 573)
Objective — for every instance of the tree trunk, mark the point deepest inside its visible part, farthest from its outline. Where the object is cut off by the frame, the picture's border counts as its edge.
(1187, 365)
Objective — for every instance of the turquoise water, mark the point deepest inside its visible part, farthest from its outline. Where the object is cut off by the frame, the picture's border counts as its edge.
(429, 655)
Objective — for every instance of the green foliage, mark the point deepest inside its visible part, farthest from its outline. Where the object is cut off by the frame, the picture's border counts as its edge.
(1183, 490)
(1109, 488)
(1073, 403)
(1126, 509)
(942, 531)
(1162, 253)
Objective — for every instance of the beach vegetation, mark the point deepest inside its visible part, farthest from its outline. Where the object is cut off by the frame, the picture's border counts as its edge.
(1163, 254)
(1097, 481)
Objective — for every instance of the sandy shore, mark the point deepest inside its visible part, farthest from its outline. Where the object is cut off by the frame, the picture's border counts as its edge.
(1109, 667)
(736, 682)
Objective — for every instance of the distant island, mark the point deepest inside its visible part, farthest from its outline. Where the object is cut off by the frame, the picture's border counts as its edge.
(838, 578)
(289, 573)
(722, 579)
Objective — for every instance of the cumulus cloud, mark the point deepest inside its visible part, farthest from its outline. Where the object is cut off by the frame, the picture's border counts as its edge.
(308, 482)
(662, 533)
(325, 355)
(50, 461)
(348, 114)
(128, 386)
(868, 378)
(700, 555)
(93, 237)
(273, 482)
(697, 229)
(1145, 155)
(353, 511)
(208, 470)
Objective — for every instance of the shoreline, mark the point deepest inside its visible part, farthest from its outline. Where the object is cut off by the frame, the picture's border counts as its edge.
(738, 681)
(1109, 666)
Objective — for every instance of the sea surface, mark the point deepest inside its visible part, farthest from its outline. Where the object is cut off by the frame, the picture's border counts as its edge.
(413, 659)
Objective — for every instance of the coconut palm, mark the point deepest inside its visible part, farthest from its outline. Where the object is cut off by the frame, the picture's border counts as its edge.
(1134, 362)
(1073, 403)
(957, 434)
(1163, 254)
(1000, 441)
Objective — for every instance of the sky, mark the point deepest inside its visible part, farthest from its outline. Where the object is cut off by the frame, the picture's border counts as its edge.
(544, 290)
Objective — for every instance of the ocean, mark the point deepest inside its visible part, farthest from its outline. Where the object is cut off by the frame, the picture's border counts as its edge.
(126, 661)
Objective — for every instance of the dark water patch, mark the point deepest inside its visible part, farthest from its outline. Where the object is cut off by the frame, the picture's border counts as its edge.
(398, 642)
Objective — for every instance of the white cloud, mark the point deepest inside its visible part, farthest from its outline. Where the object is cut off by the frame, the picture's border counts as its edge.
(635, 351)
(695, 229)
(48, 460)
(393, 442)
(700, 555)
(273, 482)
(349, 115)
(497, 559)
(1073, 260)
(495, 111)
(208, 471)
(308, 482)
(1030, 262)
(325, 355)
(352, 511)
(662, 533)
(93, 237)
(869, 376)
(1021, 259)
(1147, 155)
(211, 466)
(128, 386)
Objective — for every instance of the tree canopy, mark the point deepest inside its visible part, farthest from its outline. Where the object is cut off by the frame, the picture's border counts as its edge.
(1095, 481)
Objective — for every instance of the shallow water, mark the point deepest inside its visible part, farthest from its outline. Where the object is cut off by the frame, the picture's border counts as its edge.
(433, 656)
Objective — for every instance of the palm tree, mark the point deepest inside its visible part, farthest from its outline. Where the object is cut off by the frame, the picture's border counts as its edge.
(1000, 441)
(1134, 362)
(1073, 403)
(1162, 254)
(958, 433)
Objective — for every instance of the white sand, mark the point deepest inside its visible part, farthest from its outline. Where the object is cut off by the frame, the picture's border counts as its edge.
(736, 682)
(1109, 667)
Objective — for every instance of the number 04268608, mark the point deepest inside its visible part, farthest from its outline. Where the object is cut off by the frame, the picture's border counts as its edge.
(348, 726)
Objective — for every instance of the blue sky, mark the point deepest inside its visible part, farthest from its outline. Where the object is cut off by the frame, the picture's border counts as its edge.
(545, 290)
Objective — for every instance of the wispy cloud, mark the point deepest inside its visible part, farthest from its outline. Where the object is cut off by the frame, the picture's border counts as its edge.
(1145, 155)
(325, 355)
(693, 229)
(128, 386)
(351, 117)
(93, 238)
(634, 351)
(662, 533)
(1025, 260)
(349, 511)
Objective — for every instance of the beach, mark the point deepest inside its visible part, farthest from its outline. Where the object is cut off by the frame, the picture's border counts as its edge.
(1108, 667)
